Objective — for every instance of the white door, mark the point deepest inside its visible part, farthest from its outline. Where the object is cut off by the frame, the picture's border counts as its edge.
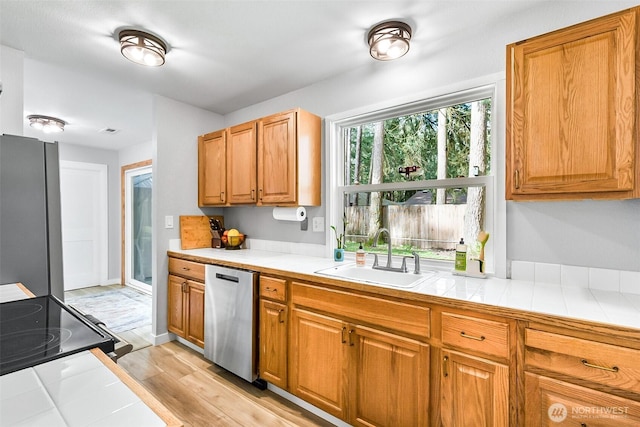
(138, 184)
(85, 245)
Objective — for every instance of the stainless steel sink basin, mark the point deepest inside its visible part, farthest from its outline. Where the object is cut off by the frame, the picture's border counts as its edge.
(380, 277)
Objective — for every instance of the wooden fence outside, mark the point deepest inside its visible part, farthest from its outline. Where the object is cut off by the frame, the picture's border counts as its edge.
(421, 226)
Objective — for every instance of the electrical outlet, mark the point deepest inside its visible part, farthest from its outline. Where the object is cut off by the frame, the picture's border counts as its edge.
(168, 221)
(318, 224)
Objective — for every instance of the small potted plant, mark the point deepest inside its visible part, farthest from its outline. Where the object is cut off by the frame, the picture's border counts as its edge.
(338, 252)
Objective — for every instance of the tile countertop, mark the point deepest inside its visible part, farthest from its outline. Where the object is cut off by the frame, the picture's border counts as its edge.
(600, 306)
(76, 390)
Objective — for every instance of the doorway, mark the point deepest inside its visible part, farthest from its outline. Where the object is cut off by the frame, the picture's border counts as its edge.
(85, 244)
(137, 193)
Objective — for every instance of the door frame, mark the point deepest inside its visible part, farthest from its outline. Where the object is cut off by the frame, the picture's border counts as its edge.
(123, 225)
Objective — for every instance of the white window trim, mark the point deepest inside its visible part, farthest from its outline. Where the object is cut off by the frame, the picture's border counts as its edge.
(495, 208)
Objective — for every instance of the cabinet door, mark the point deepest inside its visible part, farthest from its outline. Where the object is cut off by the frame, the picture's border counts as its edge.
(572, 111)
(277, 160)
(195, 314)
(273, 343)
(241, 163)
(474, 392)
(318, 363)
(551, 402)
(390, 379)
(176, 304)
(212, 177)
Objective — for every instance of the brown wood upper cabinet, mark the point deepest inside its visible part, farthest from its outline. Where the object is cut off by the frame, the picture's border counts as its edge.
(241, 163)
(289, 159)
(274, 160)
(212, 171)
(572, 112)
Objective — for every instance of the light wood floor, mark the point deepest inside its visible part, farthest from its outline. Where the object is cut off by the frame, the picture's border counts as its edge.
(202, 394)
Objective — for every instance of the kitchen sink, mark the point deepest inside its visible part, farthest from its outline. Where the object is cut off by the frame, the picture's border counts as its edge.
(380, 277)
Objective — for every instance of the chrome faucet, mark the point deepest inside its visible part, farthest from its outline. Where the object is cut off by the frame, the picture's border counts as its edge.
(389, 266)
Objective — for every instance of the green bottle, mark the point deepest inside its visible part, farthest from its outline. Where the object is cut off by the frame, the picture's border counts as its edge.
(461, 256)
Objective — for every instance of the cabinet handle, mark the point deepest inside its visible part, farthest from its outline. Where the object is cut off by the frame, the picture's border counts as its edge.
(471, 337)
(268, 289)
(280, 319)
(185, 269)
(604, 368)
(253, 194)
(344, 329)
(222, 196)
(261, 194)
(445, 366)
(517, 178)
(351, 343)
(184, 287)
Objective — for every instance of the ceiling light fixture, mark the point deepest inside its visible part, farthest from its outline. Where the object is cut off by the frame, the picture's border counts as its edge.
(142, 48)
(389, 40)
(46, 124)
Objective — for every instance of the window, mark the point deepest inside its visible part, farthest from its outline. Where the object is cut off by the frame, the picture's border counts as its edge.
(422, 171)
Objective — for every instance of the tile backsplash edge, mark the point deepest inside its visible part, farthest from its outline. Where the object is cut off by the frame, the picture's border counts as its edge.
(577, 276)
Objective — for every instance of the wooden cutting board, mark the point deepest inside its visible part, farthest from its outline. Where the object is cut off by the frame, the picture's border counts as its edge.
(194, 231)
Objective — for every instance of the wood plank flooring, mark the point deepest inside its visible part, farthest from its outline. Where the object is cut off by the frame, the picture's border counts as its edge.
(202, 394)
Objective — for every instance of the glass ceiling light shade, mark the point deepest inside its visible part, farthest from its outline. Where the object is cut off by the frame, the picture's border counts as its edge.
(46, 124)
(142, 48)
(389, 40)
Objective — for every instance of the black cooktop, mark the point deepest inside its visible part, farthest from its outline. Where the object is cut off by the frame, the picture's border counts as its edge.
(37, 330)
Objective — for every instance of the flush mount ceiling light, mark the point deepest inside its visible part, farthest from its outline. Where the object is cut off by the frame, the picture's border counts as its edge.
(142, 48)
(46, 124)
(389, 40)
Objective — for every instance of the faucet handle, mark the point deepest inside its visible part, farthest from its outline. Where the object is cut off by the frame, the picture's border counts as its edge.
(403, 267)
(416, 261)
(375, 259)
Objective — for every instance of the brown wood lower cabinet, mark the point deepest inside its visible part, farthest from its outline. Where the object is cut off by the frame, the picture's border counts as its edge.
(553, 403)
(474, 391)
(186, 309)
(273, 342)
(359, 374)
(389, 383)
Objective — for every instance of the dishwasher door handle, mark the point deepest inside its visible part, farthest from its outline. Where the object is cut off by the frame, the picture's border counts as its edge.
(227, 277)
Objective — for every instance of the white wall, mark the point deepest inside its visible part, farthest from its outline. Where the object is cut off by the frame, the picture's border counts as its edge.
(12, 98)
(175, 186)
(135, 153)
(589, 233)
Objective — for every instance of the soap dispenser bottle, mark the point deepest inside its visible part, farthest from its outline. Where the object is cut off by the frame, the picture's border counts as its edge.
(461, 256)
(360, 257)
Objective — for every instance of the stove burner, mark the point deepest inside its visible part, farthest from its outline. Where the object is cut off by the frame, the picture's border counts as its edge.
(15, 312)
(25, 344)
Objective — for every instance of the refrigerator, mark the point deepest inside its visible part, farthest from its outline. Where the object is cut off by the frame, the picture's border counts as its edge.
(30, 215)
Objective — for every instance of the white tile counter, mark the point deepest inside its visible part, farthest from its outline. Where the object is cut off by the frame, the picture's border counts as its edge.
(582, 303)
(77, 390)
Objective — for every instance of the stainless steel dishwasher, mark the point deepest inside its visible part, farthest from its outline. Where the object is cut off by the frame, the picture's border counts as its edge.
(230, 320)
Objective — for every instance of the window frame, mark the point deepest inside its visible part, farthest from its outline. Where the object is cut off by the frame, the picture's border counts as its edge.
(337, 155)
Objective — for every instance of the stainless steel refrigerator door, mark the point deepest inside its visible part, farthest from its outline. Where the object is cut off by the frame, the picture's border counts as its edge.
(230, 320)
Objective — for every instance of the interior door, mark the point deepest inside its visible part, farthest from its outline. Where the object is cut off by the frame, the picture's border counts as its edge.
(85, 245)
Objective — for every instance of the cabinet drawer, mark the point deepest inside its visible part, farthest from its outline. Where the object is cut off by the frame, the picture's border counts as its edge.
(605, 364)
(272, 288)
(472, 333)
(190, 269)
(575, 405)
(399, 316)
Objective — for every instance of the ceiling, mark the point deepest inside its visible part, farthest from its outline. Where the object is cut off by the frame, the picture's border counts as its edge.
(223, 55)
